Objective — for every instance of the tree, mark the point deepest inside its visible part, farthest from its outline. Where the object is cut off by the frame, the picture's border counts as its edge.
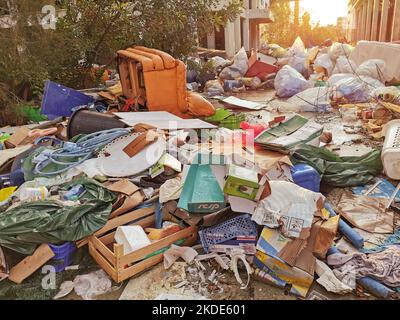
(281, 30)
(306, 30)
(91, 31)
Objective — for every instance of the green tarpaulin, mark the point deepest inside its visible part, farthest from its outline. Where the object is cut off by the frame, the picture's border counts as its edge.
(340, 171)
(23, 228)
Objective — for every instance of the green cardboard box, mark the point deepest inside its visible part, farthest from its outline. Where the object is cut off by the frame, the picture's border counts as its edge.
(241, 182)
(201, 192)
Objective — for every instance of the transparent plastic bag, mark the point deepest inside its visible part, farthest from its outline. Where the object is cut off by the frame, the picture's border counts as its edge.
(333, 79)
(374, 68)
(238, 68)
(356, 89)
(340, 49)
(299, 59)
(325, 62)
(312, 100)
(344, 65)
(289, 82)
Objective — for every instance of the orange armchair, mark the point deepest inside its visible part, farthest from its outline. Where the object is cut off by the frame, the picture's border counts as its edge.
(157, 80)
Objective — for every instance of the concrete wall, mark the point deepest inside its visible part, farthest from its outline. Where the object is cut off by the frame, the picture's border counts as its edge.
(245, 30)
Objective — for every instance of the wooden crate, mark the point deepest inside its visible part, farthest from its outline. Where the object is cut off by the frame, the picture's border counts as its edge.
(121, 267)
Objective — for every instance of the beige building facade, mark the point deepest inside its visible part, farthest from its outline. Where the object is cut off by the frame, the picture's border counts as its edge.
(244, 31)
(374, 20)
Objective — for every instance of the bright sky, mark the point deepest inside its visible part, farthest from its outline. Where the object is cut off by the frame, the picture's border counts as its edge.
(325, 11)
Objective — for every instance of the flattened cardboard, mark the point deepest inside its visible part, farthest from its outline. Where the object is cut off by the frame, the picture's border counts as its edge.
(19, 138)
(124, 186)
(325, 237)
(30, 264)
(132, 196)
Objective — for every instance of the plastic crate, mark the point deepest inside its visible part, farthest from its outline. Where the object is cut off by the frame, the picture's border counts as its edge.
(241, 226)
(63, 255)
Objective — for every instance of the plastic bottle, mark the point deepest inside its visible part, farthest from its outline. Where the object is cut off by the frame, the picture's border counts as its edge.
(34, 194)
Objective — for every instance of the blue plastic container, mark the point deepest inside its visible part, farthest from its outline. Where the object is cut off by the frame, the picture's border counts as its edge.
(63, 255)
(307, 177)
(59, 100)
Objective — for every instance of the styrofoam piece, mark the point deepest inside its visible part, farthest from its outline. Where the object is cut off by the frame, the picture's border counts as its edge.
(132, 237)
(114, 162)
(391, 150)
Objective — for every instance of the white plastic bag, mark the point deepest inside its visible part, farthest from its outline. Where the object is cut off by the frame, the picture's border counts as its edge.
(299, 60)
(339, 49)
(344, 65)
(337, 77)
(312, 100)
(238, 68)
(324, 61)
(298, 47)
(374, 68)
(357, 89)
(289, 82)
(219, 61)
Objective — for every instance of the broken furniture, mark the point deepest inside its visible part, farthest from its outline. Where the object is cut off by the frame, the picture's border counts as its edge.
(154, 79)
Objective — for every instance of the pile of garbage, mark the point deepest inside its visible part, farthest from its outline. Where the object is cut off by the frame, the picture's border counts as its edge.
(140, 173)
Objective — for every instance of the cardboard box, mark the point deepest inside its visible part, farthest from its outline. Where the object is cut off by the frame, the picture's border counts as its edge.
(201, 192)
(241, 182)
(299, 280)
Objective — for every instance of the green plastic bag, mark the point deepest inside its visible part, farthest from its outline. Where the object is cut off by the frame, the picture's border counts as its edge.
(23, 228)
(340, 171)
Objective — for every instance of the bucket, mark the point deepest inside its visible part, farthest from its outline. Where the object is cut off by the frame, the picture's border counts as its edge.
(63, 255)
(84, 121)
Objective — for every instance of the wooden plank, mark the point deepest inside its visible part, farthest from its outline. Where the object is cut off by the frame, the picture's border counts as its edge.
(396, 22)
(119, 221)
(107, 253)
(150, 262)
(144, 223)
(103, 263)
(141, 253)
(363, 20)
(124, 219)
(384, 21)
(30, 264)
(139, 267)
(368, 26)
(375, 20)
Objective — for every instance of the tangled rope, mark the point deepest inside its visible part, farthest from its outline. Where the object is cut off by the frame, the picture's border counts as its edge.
(76, 153)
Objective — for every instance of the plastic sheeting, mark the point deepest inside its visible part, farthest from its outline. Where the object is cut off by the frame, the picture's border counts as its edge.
(340, 171)
(24, 227)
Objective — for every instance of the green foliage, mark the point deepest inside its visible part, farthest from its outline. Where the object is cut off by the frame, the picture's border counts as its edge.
(283, 30)
(91, 31)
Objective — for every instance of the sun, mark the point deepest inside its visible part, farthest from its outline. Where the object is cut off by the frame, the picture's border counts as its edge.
(325, 11)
